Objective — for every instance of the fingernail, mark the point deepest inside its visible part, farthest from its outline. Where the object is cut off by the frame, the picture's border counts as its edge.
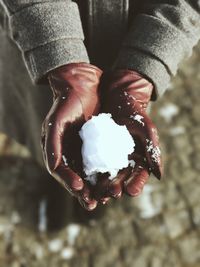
(90, 206)
(77, 184)
(115, 191)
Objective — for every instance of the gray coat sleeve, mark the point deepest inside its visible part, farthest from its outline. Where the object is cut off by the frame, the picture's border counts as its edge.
(48, 32)
(160, 37)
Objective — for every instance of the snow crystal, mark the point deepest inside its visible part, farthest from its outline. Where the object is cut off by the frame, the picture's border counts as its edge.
(138, 118)
(106, 146)
(132, 163)
(169, 111)
(64, 160)
(92, 179)
(155, 151)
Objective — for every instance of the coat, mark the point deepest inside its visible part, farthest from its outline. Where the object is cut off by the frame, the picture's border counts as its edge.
(151, 37)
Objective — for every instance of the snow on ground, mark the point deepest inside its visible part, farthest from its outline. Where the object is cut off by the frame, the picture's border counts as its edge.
(168, 111)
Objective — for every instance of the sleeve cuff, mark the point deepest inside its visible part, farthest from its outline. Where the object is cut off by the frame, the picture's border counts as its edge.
(43, 59)
(50, 35)
(148, 66)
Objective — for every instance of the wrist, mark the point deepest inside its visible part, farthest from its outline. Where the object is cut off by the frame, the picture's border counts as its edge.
(130, 83)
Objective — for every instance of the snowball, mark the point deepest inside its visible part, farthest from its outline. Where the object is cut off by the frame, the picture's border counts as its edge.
(106, 146)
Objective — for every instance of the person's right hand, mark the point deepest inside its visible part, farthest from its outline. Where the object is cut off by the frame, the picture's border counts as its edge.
(76, 99)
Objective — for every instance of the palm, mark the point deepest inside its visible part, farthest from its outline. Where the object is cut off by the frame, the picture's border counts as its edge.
(131, 180)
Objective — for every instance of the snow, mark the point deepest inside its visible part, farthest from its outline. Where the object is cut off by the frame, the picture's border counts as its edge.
(147, 208)
(106, 146)
(42, 224)
(67, 253)
(55, 245)
(73, 231)
(15, 217)
(154, 151)
(138, 118)
(64, 160)
(178, 130)
(39, 252)
(132, 163)
(92, 178)
(169, 111)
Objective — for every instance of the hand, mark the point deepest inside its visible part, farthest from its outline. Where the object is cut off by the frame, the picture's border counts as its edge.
(126, 94)
(75, 100)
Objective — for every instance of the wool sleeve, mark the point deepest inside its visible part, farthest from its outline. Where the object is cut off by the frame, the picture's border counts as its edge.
(162, 34)
(48, 33)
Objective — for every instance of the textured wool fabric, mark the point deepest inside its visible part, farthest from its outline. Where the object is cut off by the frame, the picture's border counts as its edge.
(160, 37)
(49, 34)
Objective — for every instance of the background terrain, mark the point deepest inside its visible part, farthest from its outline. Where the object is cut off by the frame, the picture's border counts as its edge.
(40, 225)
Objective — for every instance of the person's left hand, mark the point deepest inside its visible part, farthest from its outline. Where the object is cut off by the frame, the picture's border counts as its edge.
(126, 94)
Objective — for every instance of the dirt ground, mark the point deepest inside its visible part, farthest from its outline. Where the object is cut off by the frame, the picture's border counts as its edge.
(41, 226)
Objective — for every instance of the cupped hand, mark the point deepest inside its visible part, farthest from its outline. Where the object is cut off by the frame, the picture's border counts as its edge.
(75, 100)
(126, 94)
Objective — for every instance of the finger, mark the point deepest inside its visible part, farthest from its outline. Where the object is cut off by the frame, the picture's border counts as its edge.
(153, 153)
(101, 187)
(61, 117)
(85, 198)
(42, 143)
(68, 178)
(145, 131)
(134, 185)
(53, 145)
(115, 188)
(104, 200)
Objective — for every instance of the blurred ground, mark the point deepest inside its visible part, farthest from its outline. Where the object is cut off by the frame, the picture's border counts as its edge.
(160, 228)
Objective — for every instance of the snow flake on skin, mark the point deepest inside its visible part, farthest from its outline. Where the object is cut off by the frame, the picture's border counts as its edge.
(92, 179)
(50, 124)
(132, 163)
(154, 151)
(138, 118)
(64, 160)
(63, 97)
(129, 96)
(132, 97)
